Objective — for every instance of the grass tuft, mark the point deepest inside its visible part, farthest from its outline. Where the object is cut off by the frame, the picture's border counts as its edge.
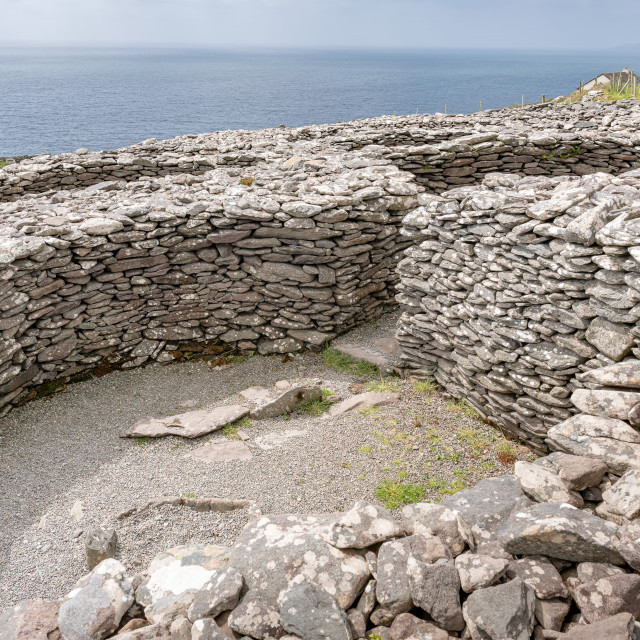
(396, 494)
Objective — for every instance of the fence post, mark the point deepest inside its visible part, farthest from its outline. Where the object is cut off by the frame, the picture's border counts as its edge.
(480, 105)
(445, 109)
(544, 98)
(523, 100)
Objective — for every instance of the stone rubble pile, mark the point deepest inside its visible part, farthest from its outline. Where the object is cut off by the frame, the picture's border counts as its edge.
(441, 150)
(284, 258)
(514, 288)
(550, 553)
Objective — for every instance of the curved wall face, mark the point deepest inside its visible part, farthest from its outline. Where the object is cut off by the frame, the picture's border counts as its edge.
(515, 287)
(285, 262)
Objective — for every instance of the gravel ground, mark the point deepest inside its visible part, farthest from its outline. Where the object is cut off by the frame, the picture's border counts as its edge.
(65, 468)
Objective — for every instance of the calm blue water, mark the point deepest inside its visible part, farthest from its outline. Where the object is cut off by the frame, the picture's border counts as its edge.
(56, 100)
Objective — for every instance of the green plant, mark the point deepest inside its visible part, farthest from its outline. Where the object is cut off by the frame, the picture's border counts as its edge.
(506, 454)
(231, 431)
(335, 359)
(4, 164)
(247, 181)
(370, 411)
(395, 494)
(366, 449)
(286, 416)
(473, 438)
(189, 496)
(424, 386)
(443, 487)
(317, 407)
(462, 406)
(143, 442)
(428, 167)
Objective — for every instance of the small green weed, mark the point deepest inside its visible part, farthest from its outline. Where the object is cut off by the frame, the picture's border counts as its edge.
(316, 408)
(443, 487)
(462, 406)
(231, 431)
(396, 494)
(143, 442)
(366, 449)
(424, 386)
(384, 384)
(370, 411)
(247, 181)
(190, 495)
(506, 454)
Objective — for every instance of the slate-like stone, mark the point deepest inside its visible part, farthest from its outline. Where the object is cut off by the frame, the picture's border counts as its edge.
(309, 612)
(503, 612)
(100, 544)
(485, 507)
(406, 626)
(607, 403)
(611, 338)
(175, 577)
(93, 610)
(551, 613)
(187, 425)
(578, 472)
(479, 571)
(430, 519)
(257, 616)
(618, 627)
(435, 588)
(629, 544)
(151, 632)
(623, 374)
(560, 531)
(207, 629)
(364, 525)
(543, 485)
(623, 497)
(612, 441)
(364, 401)
(287, 402)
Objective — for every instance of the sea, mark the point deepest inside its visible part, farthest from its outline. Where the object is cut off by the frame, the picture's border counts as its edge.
(55, 100)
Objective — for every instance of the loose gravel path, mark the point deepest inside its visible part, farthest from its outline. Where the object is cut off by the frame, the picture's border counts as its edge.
(64, 467)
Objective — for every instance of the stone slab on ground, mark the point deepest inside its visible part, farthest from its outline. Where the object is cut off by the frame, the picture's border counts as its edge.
(222, 452)
(187, 425)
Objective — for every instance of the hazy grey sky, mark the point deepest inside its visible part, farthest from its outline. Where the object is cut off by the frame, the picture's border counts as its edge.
(531, 24)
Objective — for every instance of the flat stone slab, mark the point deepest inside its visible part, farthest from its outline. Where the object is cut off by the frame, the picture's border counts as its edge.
(364, 355)
(623, 374)
(187, 425)
(277, 438)
(389, 345)
(364, 401)
(222, 452)
(256, 394)
(286, 402)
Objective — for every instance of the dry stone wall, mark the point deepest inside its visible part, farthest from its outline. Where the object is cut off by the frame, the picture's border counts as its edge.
(442, 151)
(123, 273)
(515, 287)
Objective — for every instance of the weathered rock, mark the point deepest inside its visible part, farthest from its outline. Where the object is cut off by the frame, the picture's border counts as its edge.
(187, 425)
(560, 531)
(276, 549)
(611, 338)
(407, 626)
(220, 593)
(503, 612)
(207, 629)
(485, 506)
(609, 596)
(257, 616)
(175, 577)
(551, 613)
(578, 472)
(479, 571)
(540, 575)
(93, 610)
(100, 544)
(623, 374)
(607, 403)
(287, 402)
(362, 526)
(430, 519)
(629, 544)
(309, 612)
(364, 401)
(618, 627)
(31, 620)
(357, 623)
(612, 441)
(151, 632)
(623, 497)
(544, 486)
(435, 588)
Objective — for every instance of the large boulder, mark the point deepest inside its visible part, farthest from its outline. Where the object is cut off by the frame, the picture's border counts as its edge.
(543, 485)
(175, 578)
(93, 610)
(560, 531)
(275, 550)
(220, 593)
(430, 519)
(612, 441)
(607, 403)
(485, 507)
(503, 612)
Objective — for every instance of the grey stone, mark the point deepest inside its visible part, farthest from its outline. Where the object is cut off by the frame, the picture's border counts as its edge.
(31, 620)
(407, 626)
(611, 338)
(220, 593)
(187, 425)
(544, 486)
(551, 613)
(578, 472)
(540, 575)
(623, 374)
(257, 616)
(479, 571)
(100, 544)
(287, 402)
(363, 401)
(623, 497)
(207, 629)
(560, 531)
(503, 612)
(309, 612)
(436, 520)
(618, 627)
(609, 596)
(607, 403)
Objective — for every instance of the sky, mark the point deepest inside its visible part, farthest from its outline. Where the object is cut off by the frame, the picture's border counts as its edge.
(371, 24)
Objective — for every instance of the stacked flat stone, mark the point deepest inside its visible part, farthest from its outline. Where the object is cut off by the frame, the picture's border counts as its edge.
(514, 288)
(550, 553)
(442, 151)
(272, 260)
